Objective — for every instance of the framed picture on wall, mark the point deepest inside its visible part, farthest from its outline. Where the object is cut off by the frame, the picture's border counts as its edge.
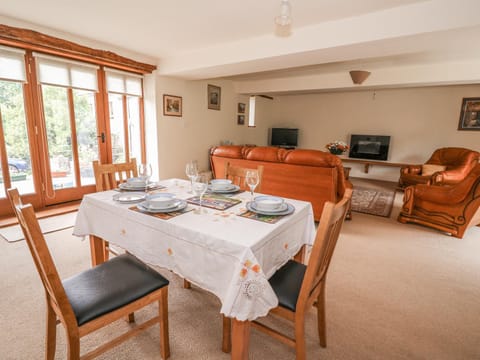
(241, 108)
(172, 105)
(470, 114)
(240, 119)
(214, 97)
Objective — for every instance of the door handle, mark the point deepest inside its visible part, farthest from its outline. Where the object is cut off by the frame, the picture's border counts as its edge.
(102, 136)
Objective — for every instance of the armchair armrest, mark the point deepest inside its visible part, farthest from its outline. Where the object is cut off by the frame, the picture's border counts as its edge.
(411, 169)
(451, 176)
(440, 194)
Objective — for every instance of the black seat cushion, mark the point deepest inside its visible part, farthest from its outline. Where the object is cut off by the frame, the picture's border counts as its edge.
(110, 286)
(287, 282)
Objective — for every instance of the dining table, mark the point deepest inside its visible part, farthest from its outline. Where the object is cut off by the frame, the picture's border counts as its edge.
(225, 248)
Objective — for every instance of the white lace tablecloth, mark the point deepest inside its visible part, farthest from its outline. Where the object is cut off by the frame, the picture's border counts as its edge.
(224, 253)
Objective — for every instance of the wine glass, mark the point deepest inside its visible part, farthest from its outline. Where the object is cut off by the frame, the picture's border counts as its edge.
(199, 186)
(252, 180)
(145, 172)
(191, 171)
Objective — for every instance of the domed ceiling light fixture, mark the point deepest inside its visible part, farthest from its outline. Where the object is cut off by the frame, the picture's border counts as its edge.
(359, 76)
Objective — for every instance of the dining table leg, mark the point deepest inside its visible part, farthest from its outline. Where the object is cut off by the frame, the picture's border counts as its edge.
(98, 249)
(240, 339)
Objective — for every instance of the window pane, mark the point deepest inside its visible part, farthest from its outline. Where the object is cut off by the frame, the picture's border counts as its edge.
(133, 106)
(115, 83)
(15, 137)
(117, 128)
(124, 83)
(53, 74)
(57, 122)
(57, 71)
(12, 67)
(134, 86)
(84, 78)
(86, 126)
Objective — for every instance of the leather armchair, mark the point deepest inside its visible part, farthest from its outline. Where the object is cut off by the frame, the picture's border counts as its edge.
(449, 208)
(458, 163)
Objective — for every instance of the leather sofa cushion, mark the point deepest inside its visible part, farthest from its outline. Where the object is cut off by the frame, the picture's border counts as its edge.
(287, 282)
(109, 286)
(308, 175)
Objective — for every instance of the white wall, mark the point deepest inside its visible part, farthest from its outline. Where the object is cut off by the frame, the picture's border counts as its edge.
(181, 139)
(419, 120)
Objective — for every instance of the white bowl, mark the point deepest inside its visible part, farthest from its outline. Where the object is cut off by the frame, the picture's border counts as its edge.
(161, 201)
(268, 203)
(221, 184)
(136, 182)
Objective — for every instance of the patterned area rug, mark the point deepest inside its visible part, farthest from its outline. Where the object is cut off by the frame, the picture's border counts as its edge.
(373, 202)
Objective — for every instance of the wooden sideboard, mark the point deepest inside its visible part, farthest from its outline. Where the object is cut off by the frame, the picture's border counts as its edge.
(368, 163)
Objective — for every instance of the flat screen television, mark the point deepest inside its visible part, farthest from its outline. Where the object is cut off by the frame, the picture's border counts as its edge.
(284, 137)
(374, 147)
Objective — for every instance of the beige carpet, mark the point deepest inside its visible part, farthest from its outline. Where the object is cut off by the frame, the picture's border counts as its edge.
(50, 224)
(394, 291)
(372, 201)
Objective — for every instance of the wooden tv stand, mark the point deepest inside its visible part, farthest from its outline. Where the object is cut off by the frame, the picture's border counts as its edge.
(368, 163)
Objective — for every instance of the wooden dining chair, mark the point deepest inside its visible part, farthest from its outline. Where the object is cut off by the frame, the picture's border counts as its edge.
(93, 298)
(299, 286)
(238, 174)
(108, 176)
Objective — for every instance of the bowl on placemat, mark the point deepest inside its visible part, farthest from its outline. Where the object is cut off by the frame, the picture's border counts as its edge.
(221, 184)
(136, 182)
(161, 201)
(269, 203)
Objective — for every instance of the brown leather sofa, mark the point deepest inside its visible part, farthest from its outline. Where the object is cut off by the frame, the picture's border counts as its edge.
(309, 175)
(449, 208)
(456, 162)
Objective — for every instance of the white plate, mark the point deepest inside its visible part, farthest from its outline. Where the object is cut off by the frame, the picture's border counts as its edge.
(281, 208)
(130, 197)
(129, 187)
(269, 203)
(162, 201)
(148, 205)
(182, 204)
(229, 190)
(290, 209)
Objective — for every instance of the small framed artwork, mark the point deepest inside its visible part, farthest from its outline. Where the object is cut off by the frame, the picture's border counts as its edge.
(240, 119)
(172, 105)
(241, 108)
(214, 97)
(470, 114)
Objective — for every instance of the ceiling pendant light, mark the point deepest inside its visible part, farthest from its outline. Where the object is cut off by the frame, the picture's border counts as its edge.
(285, 17)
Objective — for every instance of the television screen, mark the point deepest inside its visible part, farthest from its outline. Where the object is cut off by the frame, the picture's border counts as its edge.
(284, 137)
(373, 147)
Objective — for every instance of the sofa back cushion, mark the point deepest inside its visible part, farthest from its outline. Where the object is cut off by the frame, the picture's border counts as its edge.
(309, 175)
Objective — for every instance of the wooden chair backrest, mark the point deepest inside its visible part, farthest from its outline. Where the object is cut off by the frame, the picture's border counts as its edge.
(329, 227)
(42, 258)
(108, 176)
(237, 175)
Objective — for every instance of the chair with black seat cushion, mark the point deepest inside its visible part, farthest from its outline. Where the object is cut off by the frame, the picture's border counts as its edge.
(108, 177)
(299, 286)
(96, 297)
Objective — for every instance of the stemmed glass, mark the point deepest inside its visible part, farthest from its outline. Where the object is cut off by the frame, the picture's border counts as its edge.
(252, 180)
(145, 172)
(200, 184)
(191, 171)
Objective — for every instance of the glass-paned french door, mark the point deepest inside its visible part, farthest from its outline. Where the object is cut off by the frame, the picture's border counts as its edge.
(56, 117)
